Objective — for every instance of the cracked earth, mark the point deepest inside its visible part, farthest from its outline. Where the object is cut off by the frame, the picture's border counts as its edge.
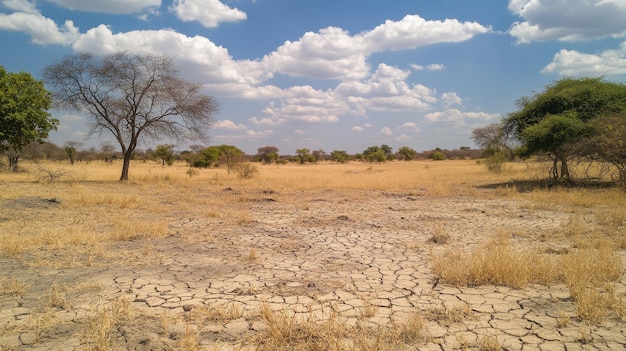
(365, 254)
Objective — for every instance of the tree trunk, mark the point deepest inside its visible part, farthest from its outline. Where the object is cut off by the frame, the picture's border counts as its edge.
(126, 165)
(564, 169)
(13, 161)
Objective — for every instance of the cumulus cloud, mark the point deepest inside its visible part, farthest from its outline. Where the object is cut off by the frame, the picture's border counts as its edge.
(571, 20)
(42, 30)
(210, 13)
(450, 99)
(358, 129)
(333, 53)
(403, 138)
(385, 131)
(457, 116)
(410, 126)
(109, 6)
(20, 6)
(571, 62)
(228, 124)
(413, 31)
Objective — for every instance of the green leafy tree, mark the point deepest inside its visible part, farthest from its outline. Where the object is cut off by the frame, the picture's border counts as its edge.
(132, 97)
(267, 154)
(553, 122)
(304, 156)
(24, 116)
(71, 150)
(406, 153)
(388, 151)
(319, 155)
(230, 156)
(165, 153)
(340, 156)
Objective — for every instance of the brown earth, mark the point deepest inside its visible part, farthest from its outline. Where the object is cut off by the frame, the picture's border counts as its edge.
(365, 254)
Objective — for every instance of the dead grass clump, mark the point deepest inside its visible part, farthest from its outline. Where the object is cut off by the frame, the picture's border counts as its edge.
(448, 315)
(99, 328)
(495, 263)
(286, 332)
(290, 332)
(440, 235)
(589, 275)
(57, 296)
(135, 229)
(12, 286)
(214, 313)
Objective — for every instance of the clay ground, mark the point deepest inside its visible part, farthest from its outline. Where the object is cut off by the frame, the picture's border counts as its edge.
(363, 254)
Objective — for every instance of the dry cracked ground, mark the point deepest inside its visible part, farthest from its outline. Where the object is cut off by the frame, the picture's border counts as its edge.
(362, 259)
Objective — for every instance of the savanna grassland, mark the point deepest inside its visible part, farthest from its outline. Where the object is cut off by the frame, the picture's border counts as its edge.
(397, 256)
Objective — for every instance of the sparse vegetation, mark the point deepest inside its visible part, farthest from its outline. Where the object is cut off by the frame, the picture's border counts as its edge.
(96, 223)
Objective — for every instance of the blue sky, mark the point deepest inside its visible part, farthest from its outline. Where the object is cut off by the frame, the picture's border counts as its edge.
(334, 75)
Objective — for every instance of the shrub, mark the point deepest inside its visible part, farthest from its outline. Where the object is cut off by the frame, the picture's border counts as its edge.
(246, 170)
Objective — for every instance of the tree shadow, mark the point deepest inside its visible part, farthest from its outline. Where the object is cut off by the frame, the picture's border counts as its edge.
(525, 186)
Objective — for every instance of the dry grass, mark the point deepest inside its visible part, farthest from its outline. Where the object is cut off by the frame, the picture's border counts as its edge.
(496, 262)
(590, 273)
(291, 332)
(96, 213)
(98, 329)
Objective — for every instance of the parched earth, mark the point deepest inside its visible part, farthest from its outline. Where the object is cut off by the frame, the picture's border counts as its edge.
(366, 255)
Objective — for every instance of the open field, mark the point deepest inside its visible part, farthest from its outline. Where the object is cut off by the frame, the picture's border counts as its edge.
(399, 256)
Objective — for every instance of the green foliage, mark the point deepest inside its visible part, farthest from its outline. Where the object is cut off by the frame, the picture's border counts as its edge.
(376, 154)
(437, 155)
(406, 153)
(267, 154)
(165, 153)
(495, 161)
(553, 134)
(304, 156)
(340, 156)
(23, 113)
(608, 142)
(558, 121)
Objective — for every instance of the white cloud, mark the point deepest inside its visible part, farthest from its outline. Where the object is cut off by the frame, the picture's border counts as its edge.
(108, 6)
(358, 129)
(403, 138)
(299, 132)
(450, 99)
(410, 126)
(333, 53)
(413, 31)
(571, 20)
(303, 103)
(210, 13)
(228, 124)
(42, 30)
(385, 131)
(267, 121)
(457, 116)
(20, 6)
(609, 62)
(435, 67)
(330, 54)
(431, 67)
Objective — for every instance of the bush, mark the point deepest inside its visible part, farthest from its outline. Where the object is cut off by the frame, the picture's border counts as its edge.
(495, 162)
(437, 156)
(246, 170)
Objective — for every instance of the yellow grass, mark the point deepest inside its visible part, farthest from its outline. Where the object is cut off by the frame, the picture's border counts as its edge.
(96, 220)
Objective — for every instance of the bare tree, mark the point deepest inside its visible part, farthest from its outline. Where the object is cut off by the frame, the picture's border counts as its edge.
(132, 97)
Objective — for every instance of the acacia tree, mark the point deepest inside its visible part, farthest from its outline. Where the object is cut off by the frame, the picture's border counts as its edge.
(23, 113)
(71, 149)
(554, 122)
(132, 97)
